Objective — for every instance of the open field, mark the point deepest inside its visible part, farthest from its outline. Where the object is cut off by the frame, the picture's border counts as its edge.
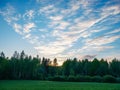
(48, 85)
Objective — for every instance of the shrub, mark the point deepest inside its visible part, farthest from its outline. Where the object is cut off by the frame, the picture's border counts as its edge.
(109, 79)
(71, 78)
(96, 79)
(118, 80)
(57, 78)
(83, 79)
(87, 79)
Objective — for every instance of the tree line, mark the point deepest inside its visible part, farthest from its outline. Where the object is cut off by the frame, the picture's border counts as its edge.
(22, 66)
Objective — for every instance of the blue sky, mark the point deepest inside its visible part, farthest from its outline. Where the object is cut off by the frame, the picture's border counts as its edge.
(61, 28)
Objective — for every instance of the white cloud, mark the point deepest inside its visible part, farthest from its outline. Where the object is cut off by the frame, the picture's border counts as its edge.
(103, 40)
(75, 31)
(93, 48)
(49, 50)
(43, 30)
(98, 44)
(17, 28)
(73, 7)
(27, 36)
(56, 18)
(110, 10)
(78, 30)
(114, 31)
(29, 14)
(61, 27)
(41, 1)
(47, 10)
(33, 39)
(24, 29)
(103, 48)
(27, 27)
(9, 13)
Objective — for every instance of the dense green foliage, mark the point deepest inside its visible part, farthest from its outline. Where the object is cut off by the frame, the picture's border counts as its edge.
(22, 66)
(47, 85)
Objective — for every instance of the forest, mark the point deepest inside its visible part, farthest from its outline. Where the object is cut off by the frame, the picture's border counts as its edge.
(23, 67)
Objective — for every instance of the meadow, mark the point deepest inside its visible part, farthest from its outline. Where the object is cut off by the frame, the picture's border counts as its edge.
(49, 85)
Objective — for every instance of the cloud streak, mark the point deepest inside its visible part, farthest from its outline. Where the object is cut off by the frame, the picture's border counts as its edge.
(58, 28)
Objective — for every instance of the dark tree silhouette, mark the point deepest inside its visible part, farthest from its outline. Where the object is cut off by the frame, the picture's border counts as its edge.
(22, 66)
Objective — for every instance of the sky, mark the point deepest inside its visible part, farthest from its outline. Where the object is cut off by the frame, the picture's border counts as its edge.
(61, 28)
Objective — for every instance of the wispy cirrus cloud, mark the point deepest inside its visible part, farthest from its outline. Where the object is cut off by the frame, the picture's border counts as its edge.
(27, 27)
(99, 44)
(114, 31)
(67, 29)
(17, 28)
(29, 14)
(103, 40)
(46, 10)
(10, 14)
(56, 18)
(13, 18)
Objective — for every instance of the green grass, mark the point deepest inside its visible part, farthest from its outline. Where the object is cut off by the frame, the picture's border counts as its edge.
(49, 85)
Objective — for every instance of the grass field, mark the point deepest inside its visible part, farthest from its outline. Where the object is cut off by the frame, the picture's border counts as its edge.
(48, 85)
